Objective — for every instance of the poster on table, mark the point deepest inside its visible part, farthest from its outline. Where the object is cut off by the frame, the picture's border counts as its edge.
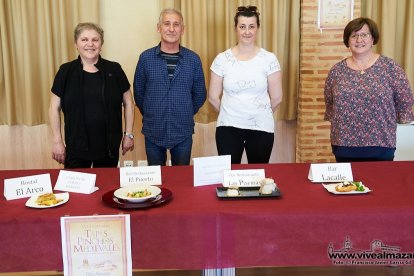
(96, 245)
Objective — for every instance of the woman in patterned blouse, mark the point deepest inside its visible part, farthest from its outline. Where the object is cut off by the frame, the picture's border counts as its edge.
(366, 95)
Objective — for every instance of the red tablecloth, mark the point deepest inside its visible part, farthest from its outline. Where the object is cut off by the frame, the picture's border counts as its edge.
(196, 230)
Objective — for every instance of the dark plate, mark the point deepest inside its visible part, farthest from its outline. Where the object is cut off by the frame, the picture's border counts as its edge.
(246, 192)
(109, 199)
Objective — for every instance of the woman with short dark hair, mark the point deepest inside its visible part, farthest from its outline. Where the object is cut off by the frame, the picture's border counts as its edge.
(366, 95)
(91, 91)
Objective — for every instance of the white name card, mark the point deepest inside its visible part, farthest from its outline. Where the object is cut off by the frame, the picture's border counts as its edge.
(27, 186)
(243, 178)
(146, 175)
(209, 170)
(330, 172)
(76, 182)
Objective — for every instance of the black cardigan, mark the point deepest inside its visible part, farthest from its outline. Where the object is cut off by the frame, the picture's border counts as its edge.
(68, 86)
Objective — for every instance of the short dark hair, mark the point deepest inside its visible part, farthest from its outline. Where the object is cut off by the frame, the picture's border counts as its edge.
(247, 11)
(356, 25)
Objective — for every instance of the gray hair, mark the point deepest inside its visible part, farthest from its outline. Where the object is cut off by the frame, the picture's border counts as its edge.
(88, 26)
(173, 11)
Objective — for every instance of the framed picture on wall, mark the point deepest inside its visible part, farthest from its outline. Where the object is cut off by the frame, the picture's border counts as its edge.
(334, 14)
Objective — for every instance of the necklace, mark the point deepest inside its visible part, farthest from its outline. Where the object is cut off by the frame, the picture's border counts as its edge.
(364, 65)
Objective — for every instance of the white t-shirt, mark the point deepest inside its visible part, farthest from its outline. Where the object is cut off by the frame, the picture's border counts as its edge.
(246, 102)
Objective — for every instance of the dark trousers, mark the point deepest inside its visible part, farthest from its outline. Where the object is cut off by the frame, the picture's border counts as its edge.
(233, 141)
(72, 162)
(362, 154)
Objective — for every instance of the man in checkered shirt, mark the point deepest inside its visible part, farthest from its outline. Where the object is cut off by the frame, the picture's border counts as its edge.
(169, 89)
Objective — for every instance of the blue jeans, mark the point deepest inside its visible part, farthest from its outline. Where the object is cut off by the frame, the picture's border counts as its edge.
(180, 153)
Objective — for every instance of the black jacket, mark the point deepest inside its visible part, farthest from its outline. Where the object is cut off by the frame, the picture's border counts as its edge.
(68, 85)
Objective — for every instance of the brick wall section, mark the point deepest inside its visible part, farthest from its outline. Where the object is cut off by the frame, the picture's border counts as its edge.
(318, 53)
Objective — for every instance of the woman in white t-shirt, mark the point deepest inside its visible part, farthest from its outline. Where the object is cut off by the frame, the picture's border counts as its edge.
(251, 82)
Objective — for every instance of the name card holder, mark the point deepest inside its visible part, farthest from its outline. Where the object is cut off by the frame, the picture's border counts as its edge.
(209, 170)
(76, 182)
(243, 178)
(27, 186)
(146, 175)
(330, 172)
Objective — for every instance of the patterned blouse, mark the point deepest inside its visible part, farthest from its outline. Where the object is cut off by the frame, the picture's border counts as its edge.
(364, 109)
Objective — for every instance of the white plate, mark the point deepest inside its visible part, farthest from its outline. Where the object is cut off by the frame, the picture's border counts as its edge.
(121, 193)
(331, 188)
(32, 201)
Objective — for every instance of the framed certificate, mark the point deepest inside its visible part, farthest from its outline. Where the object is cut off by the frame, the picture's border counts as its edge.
(96, 245)
(334, 14)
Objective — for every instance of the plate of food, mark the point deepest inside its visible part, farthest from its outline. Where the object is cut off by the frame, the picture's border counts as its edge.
(347, 187)
(111, 200)
(137, 192)
(245, 192)
(47, 200)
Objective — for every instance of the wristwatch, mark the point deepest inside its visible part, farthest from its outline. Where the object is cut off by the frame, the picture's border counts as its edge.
(129, 135)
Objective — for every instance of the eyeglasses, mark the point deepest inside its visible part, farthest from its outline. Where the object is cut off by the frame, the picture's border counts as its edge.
(363, 36)
(247, 8)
